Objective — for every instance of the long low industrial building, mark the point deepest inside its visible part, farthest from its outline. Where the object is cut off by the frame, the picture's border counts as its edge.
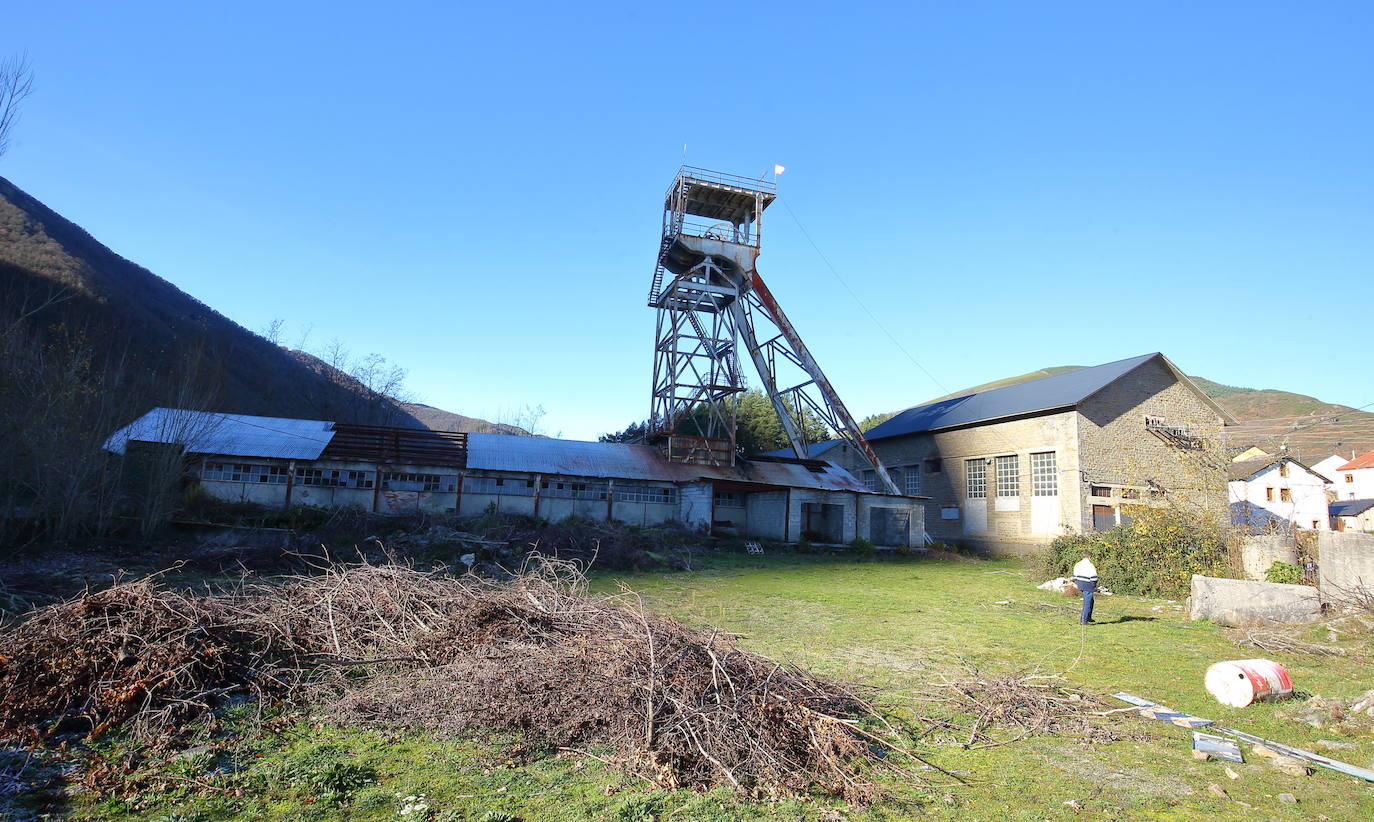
(282, 462)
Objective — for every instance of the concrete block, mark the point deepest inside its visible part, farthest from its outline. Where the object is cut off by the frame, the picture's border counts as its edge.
(1244, 603)
(1259, 552)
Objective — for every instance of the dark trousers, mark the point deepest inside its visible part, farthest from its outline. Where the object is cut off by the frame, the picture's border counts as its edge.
(1088, 589)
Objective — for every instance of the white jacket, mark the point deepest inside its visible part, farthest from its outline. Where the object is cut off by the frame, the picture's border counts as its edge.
(1085, 571)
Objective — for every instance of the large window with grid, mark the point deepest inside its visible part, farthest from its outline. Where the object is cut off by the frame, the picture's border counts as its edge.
(645, 493)
(729, 499)
(1008, 476)
(871, 480)
(333, 478)
(568, 489)
(505, 486)
(237, 472)
(911, 477)
(1044, 475)
(398, 481)
(976, 476)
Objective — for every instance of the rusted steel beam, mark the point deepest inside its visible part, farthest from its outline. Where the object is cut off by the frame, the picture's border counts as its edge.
(849, 428)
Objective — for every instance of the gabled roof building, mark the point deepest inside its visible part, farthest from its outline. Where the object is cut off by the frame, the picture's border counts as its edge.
(283, 462)
(1276, 492)
(1010, 468)
(1355, 479)
(1352, 515)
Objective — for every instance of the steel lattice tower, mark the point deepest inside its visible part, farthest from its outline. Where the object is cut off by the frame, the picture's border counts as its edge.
(712, 299)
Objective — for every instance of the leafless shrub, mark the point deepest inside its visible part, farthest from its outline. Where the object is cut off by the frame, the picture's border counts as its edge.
(980, 711)
(1281, 640)
(1358, 598)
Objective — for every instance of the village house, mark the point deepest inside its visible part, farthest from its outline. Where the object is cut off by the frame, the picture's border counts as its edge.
(1352, 515)
(1275, 492)
(1328, 468)
(1009, 469)
(281, 462)
(1355, 479)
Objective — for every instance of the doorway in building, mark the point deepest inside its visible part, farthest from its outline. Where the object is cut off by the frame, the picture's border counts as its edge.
(889, 526)
(822, 522)
(1104, 517)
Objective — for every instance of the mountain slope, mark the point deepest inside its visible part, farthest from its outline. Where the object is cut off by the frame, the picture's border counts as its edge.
(1310, 428)
(168, 347)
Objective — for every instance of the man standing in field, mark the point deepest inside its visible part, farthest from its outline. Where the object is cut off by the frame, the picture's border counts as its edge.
(1085, 577)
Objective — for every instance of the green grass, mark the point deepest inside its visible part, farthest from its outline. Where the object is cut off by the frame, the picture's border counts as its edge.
(894, 623)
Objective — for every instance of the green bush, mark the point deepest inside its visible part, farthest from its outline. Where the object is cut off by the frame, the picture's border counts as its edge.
(1284, 572)
(862, 547)
(297, 518)
(1156, 554)
(635, 809)
(323, 771)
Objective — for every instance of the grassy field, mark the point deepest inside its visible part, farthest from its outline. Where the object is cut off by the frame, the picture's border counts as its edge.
(895, 623)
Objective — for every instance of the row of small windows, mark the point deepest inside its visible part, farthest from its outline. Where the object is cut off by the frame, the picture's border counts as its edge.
(404, 481)
(907, 477)
(396, 481)
(231, 472)
(1007, 480)
(277, 475)
(515, 487)
(328, 477)
(568, 489)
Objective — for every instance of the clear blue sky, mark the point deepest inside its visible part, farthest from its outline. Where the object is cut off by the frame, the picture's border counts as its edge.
(473, 190)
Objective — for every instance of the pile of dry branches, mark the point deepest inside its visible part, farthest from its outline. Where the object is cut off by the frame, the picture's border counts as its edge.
(136, 653)
(391, 646)
(1018, 705)
(1281, 639)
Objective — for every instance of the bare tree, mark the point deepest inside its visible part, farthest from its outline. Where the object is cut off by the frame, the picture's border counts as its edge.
(274, 331)
(16, 83)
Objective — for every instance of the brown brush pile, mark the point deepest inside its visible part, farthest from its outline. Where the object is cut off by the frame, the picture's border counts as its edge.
(989, 711)
(391, 646)
(135, 653)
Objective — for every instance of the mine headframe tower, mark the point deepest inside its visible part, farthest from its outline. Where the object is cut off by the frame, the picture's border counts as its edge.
(709, 297)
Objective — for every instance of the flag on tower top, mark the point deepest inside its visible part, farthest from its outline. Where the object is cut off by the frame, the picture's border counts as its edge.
(778, 170)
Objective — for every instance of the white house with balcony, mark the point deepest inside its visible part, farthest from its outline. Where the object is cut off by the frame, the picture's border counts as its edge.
(1276, 493)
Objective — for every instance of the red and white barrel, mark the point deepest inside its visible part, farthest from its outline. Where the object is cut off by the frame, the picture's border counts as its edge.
(1243, 681)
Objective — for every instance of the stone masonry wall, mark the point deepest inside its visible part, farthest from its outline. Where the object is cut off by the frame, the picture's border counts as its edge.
(1117, 451)
(1002, 531)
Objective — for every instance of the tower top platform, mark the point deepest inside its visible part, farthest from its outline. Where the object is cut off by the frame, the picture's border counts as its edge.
(713, 195)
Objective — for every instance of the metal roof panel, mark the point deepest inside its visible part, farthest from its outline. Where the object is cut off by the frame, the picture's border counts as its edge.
(1350, 507)
(614, 460)
(239, 435)
(1045, 394)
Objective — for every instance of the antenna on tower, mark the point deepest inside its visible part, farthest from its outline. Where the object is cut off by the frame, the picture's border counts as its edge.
(709, 296)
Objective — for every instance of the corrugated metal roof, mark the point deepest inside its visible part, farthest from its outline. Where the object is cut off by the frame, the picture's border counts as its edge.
(1045, 394)
(239, 435)
(813, 450)
(615, 460)
(1350, 507)
(277, 437)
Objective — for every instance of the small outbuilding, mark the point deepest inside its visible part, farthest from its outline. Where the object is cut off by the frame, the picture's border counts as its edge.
(1352, 515)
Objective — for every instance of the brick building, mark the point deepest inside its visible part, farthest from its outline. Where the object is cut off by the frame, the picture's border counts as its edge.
(1010, 468)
